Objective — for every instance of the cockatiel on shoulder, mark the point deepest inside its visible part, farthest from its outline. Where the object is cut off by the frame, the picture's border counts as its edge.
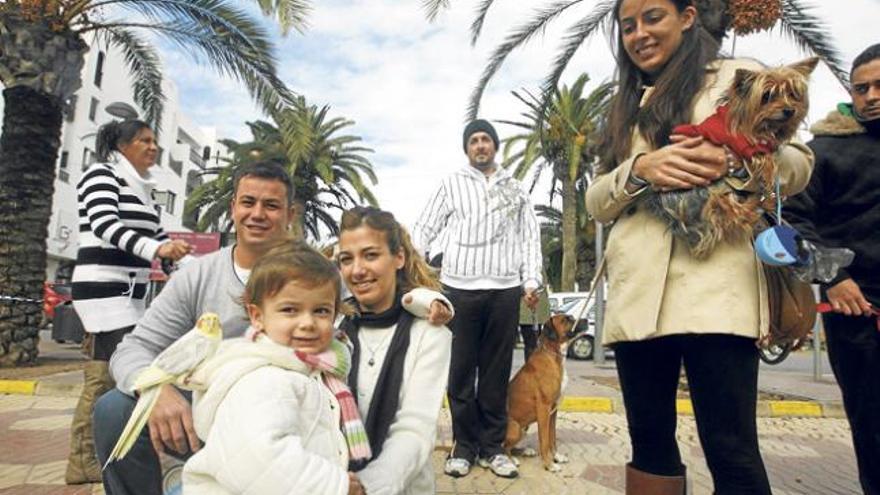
(172, 366)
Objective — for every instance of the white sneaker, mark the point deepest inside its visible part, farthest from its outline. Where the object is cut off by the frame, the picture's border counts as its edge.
(501, 465)
(457, 467)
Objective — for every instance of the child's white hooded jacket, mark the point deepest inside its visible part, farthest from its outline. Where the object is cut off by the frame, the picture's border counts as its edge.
(269, 424)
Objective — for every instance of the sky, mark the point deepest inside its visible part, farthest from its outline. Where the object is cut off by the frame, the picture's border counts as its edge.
(406, 82)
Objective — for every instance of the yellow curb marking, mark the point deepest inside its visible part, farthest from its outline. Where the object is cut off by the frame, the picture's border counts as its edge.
(576, 404)
(587, 404)
(794, 408)
(18, 387)
(684, 406)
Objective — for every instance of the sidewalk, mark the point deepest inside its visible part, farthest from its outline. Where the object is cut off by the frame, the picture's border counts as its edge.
(802, 455)
(805, 444)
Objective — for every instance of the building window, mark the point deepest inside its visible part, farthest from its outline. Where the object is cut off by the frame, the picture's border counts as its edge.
(176, 166)
(93, 109)
(170, 200)
(99, 69)
(63, 174)
(69, 109)
(88, 157)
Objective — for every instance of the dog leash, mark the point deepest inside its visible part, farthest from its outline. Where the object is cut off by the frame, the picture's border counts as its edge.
(827, 308)
(594, 284)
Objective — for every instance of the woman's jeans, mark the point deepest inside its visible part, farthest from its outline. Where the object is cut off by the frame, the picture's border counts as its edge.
(722, 373)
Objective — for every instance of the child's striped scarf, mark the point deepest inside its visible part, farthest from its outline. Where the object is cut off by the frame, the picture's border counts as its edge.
(334, 364)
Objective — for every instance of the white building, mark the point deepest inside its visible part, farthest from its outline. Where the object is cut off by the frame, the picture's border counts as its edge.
(185, 151)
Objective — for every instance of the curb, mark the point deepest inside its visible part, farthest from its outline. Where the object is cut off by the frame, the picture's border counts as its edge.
(765, 408)
(571, 404)
(36, 387)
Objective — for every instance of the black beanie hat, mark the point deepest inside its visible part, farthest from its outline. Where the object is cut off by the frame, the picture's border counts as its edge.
(479, 125)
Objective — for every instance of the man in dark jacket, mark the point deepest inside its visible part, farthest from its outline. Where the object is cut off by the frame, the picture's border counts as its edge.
(841, 208)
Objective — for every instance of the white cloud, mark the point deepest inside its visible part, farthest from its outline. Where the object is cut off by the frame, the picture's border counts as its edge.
(406, 82)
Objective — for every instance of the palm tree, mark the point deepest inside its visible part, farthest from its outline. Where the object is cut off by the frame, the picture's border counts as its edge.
(719, 17)
(327, 168)
(551, 243)
(42, 53)
(562, 136)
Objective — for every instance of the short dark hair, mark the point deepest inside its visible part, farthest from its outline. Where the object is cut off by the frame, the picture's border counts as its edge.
(267, 169)
(871, 53)
(114, 134)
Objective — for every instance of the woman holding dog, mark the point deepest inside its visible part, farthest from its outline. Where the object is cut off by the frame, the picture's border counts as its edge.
(400, 363)
(665, 307)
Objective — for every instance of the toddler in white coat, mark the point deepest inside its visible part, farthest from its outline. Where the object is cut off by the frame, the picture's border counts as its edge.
(277, 417)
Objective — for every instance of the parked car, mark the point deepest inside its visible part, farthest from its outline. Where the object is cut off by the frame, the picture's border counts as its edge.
(558, 299)
(581, 347)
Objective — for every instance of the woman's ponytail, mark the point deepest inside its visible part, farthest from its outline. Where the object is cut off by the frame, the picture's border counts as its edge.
(114, 134)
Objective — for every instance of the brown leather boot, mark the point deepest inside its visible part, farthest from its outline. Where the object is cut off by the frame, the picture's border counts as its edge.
(82, 464)
(642, 483)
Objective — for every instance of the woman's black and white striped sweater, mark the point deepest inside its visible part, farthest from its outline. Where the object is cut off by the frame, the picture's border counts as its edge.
(119, 234)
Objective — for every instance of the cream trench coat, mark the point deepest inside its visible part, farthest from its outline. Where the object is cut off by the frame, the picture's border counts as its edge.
(655, 287)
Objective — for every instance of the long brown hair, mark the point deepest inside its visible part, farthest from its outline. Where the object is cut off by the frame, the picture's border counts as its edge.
(415, 272)
(674, 90)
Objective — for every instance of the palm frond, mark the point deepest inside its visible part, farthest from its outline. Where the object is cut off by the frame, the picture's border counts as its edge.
(214, 33)
(517, 37)
(573, 40)
(810, 33)
(433, 8)
(479, 19)
(143, 63)
(290, 13)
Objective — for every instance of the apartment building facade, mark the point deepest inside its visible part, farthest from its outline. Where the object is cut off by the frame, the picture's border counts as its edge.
(187, 151)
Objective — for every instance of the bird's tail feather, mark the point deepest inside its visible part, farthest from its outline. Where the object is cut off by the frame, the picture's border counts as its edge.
(135, 425)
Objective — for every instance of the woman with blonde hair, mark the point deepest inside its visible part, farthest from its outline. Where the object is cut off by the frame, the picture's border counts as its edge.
(400, 363)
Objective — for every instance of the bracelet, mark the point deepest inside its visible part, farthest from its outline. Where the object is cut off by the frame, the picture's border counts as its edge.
(732, 170)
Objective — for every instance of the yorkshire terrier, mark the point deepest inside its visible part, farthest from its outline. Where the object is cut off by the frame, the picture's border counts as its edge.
(760, 111)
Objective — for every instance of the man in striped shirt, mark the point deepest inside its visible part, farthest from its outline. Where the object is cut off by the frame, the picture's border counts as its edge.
(491, 256)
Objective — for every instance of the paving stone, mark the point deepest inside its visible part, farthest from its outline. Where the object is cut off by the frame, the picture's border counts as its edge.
(810, 456)
(13, 474)
(50, 473)
(54, 422)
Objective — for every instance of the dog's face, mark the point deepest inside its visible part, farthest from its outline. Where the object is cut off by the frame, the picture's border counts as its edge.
(559, 328)
(770, 104)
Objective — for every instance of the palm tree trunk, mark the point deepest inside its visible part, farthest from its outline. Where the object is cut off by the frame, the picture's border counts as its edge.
(299, 219)
(569, 234)
(28, 152)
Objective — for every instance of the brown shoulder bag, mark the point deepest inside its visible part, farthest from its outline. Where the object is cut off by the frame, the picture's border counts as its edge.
(792, 306)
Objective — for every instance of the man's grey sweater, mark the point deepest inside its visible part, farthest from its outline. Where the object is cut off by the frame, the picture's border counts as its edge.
(208, 284)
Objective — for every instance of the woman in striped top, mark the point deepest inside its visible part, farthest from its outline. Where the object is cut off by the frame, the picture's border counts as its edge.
(119, 236)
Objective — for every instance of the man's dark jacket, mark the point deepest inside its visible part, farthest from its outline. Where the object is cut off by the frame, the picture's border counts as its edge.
(841, 205)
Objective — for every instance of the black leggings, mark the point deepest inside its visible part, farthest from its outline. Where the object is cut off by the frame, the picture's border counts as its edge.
(722, 372)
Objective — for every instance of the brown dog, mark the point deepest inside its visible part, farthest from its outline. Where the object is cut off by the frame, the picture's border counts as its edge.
(536, 389)
(760, 111)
